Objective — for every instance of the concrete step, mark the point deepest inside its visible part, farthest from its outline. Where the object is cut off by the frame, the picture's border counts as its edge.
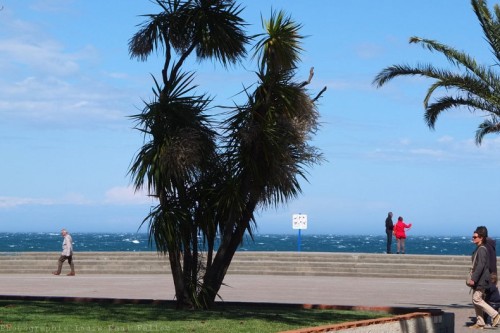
(263, 263)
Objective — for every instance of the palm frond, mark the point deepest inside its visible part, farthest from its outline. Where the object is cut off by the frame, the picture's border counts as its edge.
(152, 36)
(489, 126)
(391, 72)
(490, 25)
(455, 57)
(164, 226)
(477, 88)
(217, 30)
(268, 138)
(279, 48)
(468, 85)
(472, 103)
(433, 110)
(181, 139)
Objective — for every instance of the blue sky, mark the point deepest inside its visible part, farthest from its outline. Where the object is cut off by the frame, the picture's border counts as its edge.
(68, 85)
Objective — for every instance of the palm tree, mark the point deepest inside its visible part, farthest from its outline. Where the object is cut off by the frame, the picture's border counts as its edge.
(172, 164)
(265, 143)
(476, 87)
(209, 185)
(180, 156)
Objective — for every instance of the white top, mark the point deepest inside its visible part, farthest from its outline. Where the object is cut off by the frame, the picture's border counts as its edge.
(67, 245)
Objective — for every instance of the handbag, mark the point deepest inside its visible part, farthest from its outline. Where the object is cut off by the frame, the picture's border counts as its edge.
(469, 277)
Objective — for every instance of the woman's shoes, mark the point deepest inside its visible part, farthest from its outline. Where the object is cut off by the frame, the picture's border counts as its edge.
(477, 327)
(69, 274)
(495, 320)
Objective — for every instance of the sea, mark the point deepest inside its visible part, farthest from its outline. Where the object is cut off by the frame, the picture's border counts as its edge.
(89, 242)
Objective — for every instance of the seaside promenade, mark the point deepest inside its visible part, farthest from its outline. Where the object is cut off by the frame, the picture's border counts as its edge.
(391, 290)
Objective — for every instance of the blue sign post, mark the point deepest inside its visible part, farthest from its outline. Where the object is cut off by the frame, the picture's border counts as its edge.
(298, 241)
(299, 221)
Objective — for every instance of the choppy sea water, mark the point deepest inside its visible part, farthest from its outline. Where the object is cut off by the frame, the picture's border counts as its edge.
(31, 242)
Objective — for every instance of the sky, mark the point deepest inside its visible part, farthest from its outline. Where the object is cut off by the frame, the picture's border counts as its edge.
(68, 88)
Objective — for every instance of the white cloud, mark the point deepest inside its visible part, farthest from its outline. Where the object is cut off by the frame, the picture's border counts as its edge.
(39, 57)
(69, 199)
(114, 196)
(117, 75)
(50, 101)
(445, 139)
(413, 150)
(428, 152)
(405, 142)
(368, 50)
(43, 84)
(52, 5)
(339, 85)
(126, 196)
(74, 198)
(11, 202)
(489, 144)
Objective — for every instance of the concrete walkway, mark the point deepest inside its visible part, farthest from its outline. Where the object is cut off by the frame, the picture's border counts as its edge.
(447, 295)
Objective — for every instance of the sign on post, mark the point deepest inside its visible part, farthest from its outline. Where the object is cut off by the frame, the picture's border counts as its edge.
(299, 222)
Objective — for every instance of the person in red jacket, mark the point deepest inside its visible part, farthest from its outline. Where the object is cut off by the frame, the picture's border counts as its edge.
(399, 232)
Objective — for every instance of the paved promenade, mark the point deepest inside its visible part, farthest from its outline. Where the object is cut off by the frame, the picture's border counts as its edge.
(448, 295)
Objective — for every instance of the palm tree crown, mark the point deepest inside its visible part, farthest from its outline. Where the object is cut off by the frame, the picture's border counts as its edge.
(476, 87)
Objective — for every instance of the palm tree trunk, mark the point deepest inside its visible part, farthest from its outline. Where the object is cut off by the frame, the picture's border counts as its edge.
(183, 299)
(231, 240)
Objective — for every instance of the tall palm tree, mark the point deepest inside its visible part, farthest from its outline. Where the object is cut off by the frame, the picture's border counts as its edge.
(265, 143)
(180, 157)
(476, 87)
(172, 163)
(209, 185)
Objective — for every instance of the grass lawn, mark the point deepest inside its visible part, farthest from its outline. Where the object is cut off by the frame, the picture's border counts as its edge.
(42, 316)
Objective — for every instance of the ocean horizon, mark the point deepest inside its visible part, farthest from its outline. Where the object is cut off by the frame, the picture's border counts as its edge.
(112, 242)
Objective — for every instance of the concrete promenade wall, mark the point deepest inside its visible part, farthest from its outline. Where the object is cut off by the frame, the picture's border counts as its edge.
(261, 263)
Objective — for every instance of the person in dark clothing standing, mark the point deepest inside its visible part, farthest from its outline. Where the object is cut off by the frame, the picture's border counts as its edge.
(389, 227)
(492, 297)
(491, 246)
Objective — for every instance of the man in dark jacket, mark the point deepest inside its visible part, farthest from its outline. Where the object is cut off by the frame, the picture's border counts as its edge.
(389, 226)
(492, 297)
(491, 246)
